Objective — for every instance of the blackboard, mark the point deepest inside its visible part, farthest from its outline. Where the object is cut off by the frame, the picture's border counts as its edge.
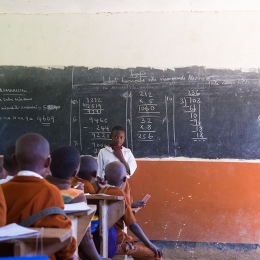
(194, 112)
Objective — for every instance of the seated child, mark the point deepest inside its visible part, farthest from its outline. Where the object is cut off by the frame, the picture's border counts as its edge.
(117, 152)
(2, 208)
(10, 167)
(116, 175)
(64, 166)
(88, 175)
(28, 193)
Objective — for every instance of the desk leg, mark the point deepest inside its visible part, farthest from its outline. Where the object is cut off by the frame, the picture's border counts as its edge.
(74, 226)
(103, 209)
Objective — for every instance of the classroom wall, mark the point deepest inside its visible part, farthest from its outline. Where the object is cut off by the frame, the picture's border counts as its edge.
(199, 201)
(191, 200)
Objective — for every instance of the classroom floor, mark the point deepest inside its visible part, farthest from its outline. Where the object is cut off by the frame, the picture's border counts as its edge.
(205, 256)
(197, 251)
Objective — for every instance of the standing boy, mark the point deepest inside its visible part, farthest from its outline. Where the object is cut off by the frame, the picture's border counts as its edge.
(116, 175)
(117, 152)
(28, 193)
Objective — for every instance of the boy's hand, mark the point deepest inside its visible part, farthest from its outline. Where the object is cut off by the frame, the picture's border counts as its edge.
(156, 250)
(138, 204)
(118, 154)
(79, 186)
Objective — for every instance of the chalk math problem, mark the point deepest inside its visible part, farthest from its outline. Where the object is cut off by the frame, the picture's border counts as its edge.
(193, 112)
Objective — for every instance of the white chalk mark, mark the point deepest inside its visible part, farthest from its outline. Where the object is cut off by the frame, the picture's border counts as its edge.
(80, 139)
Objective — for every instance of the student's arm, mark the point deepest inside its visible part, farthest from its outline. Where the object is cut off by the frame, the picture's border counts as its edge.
(138, 232)
(118, 153)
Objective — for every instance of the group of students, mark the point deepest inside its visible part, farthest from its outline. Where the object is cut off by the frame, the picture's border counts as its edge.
(27, 190)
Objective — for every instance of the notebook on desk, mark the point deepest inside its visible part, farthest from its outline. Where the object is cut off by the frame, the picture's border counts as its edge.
(76, 207)
(14, 231)
(25, 258)
(98, 194)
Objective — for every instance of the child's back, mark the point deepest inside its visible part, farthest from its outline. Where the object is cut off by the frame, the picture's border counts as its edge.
(28, 193)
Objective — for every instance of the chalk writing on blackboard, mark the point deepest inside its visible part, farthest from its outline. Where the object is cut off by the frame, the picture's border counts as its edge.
(191, 102)
(192, 112)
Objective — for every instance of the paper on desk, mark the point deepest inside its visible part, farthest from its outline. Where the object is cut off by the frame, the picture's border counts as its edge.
(75, 207)
(13, 231)
(98, 194)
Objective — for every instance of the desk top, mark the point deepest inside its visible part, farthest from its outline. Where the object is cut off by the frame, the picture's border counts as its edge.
(93, 208)
(49, 235)
(103, 197)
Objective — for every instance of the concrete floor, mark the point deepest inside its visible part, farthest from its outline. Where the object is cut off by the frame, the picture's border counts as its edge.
(173, 250)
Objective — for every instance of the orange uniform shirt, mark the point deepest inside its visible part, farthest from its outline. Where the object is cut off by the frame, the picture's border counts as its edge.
(2, 208)
(27, 195)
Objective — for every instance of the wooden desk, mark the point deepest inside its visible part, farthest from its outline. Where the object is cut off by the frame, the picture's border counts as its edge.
(53, 240)
(110, 210)
(80, 222)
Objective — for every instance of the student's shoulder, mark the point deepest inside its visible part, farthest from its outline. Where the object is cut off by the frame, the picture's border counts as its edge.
(50, 187)
(126, 149)
(106, 149)
(112, 190)
(75, 192)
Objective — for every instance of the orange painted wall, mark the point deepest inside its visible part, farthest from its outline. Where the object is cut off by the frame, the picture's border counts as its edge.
(200, 201)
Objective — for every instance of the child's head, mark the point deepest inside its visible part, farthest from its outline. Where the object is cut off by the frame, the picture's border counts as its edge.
(32, 153)
(88, 168)
(9, 164)
(117, 135)
(65, 162)
(115, 173)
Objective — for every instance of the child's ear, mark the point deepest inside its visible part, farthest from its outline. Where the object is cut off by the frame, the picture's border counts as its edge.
(47, 162)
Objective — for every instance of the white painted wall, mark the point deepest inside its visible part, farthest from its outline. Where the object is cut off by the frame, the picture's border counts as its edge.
(137, 33)
(164, 39)
(97, 6)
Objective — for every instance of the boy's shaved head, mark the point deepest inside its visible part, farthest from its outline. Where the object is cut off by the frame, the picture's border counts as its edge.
(115, 173)
(65, 162)
(31, 152)
(88, 167)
